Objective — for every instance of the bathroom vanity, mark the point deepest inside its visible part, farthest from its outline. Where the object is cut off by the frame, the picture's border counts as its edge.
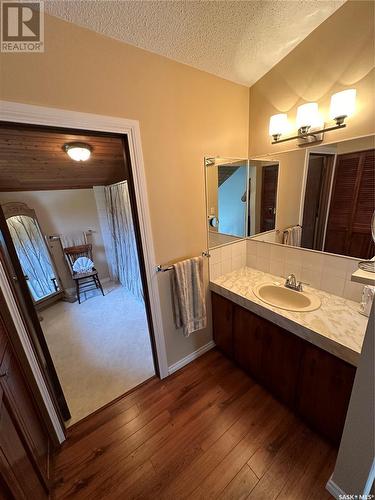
(306, 359)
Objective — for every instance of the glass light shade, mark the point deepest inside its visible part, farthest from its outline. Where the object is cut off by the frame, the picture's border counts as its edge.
(343, 104)
(308, 115)
(81, 152)
(278, 124)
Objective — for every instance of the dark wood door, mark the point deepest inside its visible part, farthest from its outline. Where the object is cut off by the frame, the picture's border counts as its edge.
(222, 316)
(352, 206)
(268, 199)
(311, 204)
(325, 385)
(26, 306)
(23, 409)
(24, 443)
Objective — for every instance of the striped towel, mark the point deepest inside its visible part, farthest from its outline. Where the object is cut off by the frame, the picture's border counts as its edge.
(189, 306)
(292, 236)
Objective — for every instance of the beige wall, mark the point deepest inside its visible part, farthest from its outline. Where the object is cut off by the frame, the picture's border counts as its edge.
(184, 115)
(212, 188)
(63, 212)
(339, 54)
(289, 188)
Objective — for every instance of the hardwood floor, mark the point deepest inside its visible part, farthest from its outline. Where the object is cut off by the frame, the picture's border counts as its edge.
(208, 431)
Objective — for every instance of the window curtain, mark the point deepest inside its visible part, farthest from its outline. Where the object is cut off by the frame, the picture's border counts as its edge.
(117, 228)
(33, 255)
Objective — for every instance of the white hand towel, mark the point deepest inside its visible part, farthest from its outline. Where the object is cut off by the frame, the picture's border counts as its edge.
(292, 236)
(75, 238)
(188, 298)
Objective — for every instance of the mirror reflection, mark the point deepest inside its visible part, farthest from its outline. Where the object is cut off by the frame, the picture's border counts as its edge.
(326, 198)
(33, 253)
(241, 198)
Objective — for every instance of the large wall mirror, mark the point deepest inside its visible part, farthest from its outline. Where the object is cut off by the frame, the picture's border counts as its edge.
(326, 198)
(241, 198)
(32, 251)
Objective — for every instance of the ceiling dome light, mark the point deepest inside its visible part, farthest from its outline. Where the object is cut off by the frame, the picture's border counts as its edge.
(342, 105)
(78, 151)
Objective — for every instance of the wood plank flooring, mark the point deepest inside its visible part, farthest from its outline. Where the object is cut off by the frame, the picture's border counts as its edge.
(208, 431)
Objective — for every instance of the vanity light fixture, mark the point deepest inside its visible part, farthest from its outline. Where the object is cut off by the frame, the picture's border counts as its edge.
(309, 122)
(307, 117)
(342, 105)
(278, 125)
(78, 151)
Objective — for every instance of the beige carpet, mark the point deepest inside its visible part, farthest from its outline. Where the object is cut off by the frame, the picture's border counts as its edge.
(101, 347)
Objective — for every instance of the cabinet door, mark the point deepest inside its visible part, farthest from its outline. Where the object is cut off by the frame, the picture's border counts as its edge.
(23, 408)
(324, 390)
(15, 465)
(281, 359)
(222, 317)
(268, 353)
(248, 341)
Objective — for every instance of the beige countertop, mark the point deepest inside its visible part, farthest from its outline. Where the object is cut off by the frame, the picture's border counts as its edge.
(337, 326)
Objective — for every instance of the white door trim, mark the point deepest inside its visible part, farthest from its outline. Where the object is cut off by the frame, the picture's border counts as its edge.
(39, 115)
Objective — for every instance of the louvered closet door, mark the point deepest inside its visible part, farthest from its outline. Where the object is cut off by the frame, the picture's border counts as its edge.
(352, 205)
(360, 242)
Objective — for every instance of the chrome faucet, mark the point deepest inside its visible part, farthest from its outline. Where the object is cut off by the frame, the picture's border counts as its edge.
(293, 284)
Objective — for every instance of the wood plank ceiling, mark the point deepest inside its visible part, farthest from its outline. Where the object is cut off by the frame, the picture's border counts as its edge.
(33, 159)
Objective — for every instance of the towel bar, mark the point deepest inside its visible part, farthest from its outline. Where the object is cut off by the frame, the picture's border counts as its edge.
(163, 269)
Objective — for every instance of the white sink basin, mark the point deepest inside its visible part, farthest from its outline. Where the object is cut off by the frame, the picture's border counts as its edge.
(285, 298)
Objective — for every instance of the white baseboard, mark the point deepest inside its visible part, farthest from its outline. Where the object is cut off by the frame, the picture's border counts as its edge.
(190, 357)
(334, 489)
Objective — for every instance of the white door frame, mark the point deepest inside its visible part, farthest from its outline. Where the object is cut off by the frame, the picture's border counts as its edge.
(39, 115)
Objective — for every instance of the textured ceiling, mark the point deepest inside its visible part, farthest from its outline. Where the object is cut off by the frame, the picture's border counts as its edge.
(237, 40)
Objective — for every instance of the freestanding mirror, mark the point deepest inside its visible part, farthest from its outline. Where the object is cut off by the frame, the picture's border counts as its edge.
(33, 252)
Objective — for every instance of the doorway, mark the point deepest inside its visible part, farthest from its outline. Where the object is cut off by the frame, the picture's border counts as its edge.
(96, 339)
(319, 178)
(270, 175)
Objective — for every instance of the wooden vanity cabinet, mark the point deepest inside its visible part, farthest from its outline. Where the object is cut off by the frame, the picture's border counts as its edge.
(267, 352)
(324, 388)
(222, 316)
(314, 383)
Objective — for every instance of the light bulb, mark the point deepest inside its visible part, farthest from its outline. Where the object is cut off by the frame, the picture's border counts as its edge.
(308, 116)
(78, 151)
(278, 125)
(342, 105)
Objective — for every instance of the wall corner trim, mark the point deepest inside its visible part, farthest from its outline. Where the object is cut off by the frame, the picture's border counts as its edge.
(191, 357)
(334, 489)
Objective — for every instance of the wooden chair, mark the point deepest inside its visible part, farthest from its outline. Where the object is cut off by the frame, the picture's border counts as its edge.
(84, 281)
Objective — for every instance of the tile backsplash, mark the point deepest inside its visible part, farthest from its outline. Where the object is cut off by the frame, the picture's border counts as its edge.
(227, 258)
(330, 273)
